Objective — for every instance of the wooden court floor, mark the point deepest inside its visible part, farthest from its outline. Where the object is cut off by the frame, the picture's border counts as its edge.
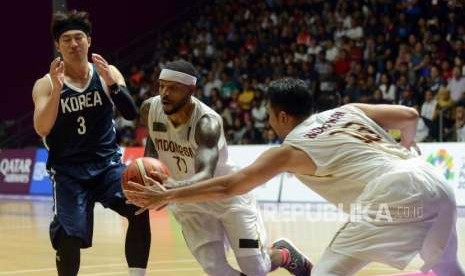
(25, 248)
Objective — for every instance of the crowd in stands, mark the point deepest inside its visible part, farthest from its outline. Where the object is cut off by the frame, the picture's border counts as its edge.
(409, 52)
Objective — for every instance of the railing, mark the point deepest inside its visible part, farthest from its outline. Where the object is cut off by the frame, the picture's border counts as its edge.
(441, 126)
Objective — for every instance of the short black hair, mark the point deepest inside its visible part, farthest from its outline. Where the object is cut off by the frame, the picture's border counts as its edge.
(183, 66)
(292, 96)
(70, 20)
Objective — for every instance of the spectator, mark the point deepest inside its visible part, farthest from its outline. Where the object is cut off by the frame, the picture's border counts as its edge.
(378, 98)
(434, 81)
(387, 88)
(405, 52)
(428, 108)
(443, 114)
(352, 91)
(246, 97)
(271, 138)
(259, 115)
(342, 63)
(456, 84)
(460, 123)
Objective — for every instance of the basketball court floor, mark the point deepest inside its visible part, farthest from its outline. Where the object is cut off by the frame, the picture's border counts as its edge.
(26, 250)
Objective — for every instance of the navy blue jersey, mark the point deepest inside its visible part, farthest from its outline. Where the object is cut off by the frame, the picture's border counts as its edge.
(84, 129)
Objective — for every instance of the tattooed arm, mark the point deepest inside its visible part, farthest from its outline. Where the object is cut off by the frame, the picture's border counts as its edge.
(150, 150)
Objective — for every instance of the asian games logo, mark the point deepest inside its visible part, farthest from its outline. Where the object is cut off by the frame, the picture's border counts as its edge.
(443, 161)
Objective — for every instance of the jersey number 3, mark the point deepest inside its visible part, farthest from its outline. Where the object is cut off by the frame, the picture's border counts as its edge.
(81, 130)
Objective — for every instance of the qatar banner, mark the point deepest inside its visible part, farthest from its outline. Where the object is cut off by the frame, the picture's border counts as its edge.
(16, 170)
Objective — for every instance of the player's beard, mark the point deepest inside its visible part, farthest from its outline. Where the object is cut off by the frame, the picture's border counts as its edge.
(177, 106)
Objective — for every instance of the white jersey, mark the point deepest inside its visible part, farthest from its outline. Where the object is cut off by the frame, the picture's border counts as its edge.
(358, 164)
(349, 150)
(176, 147)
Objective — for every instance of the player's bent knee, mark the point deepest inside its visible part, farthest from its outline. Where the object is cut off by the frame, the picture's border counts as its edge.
(254, 265)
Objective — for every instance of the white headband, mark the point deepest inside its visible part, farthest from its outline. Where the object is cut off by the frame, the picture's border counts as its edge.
(172, 75)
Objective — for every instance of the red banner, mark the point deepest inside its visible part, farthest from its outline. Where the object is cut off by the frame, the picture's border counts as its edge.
(132, 153)
(16, 170)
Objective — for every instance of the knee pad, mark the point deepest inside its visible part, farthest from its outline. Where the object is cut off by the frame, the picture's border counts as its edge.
(256, 265)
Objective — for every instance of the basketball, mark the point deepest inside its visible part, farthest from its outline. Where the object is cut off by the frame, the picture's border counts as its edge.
(139, 168)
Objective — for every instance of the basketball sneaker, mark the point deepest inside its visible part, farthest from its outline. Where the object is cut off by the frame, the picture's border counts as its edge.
(298, 264)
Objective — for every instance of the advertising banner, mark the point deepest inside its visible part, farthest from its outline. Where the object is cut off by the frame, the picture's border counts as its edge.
(242, 156)
(41, 184)
(448, 159)
(132, 153)
(23, 171)
(16, 170)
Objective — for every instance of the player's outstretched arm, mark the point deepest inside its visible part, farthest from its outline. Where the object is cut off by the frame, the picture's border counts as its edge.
(398, 117)
(46, 97)
(269, 164)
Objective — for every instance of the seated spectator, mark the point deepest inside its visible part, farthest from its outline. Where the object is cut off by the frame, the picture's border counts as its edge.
(408, 98)
(329, 82)
(271, 138)
(259, 115)
(236, 132)
(447, 71)
(443, 115)
(388, 89)
(246, 97)
(460, 123)
(377, 98)
(352, 90)
(210, 83)
(250, 134)
(434, 81)
(136, 76)
(428, 108)
(331, 50)
(228, 87)
(342, 63)
(456, 84)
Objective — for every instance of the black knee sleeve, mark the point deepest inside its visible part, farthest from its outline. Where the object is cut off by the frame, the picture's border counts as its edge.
(68, 255)
(138, 237)
(138, 240)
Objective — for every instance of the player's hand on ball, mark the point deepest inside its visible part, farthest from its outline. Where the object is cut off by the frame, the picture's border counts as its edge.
(103, 69)
(152, 196)
(166, 181)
